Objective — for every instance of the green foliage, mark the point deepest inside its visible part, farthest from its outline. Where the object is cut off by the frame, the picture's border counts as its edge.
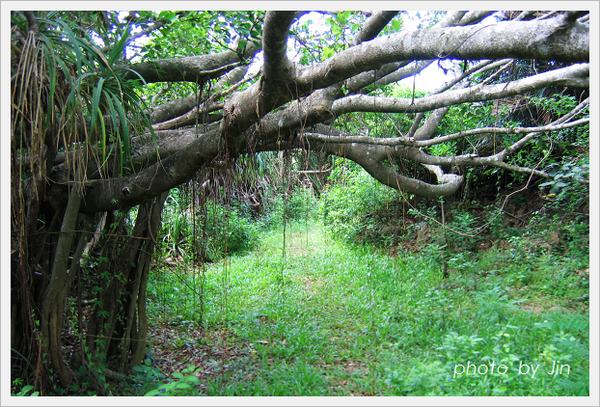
(561, 153)
(393, 125)
(91, 379)
(565, 233)
(16, 383)
(569, 191)
(568, 175)
(186, 33)
(212, 230)
(472, 229)
(335, 30)
(330, 38)
(84, 87)
(339, 319)
(25, 390)
(150, 381)
(425, 379)
(146, 377)
(557, 104)
(348, 205)
(228, 231)
(569, 148)
(182, 384)
(299, 204)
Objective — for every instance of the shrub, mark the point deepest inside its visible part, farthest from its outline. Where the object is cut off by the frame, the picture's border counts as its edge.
(350, 206)
(209, 231)
(299, 204)
(227, 231)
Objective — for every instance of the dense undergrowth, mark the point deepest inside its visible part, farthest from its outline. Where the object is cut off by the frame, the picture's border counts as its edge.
(347, 297)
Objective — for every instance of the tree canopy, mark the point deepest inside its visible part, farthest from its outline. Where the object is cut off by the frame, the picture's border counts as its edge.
(110, 110)
(288, 103)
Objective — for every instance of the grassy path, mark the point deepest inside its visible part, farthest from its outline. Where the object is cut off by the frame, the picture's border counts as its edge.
(322, 318)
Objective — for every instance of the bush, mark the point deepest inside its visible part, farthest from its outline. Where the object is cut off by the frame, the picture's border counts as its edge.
(351, 207)
(227, 231)
(206, 232)
(299, 204)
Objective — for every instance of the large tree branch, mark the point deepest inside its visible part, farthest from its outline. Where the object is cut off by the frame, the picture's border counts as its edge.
(246, 108)
(320, 106)
(396, 71)
(574, 75)
(413, 142)
(375, 150)
(277, 67)
(179, 107)
(186, 151)
(125, 192)
(169, 142)
(255, 102)
(371, 161)
(201, 112)
(196, 69)
(552, 39)
(373, 26)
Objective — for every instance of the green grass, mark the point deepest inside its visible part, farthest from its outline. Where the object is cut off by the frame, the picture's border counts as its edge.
(325, 318)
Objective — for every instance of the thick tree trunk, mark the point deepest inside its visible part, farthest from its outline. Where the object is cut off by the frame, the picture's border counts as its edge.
(117, 327)
(52, 317)
(45, 267)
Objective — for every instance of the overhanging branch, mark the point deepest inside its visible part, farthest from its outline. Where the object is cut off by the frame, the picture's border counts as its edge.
(412, 142)
(575, 76)
(545, 39)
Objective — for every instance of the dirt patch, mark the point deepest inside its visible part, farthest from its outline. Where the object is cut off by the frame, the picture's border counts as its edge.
(173, 348)
(534, 308)
(352, 369)
(298, 245)
(310, 283)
